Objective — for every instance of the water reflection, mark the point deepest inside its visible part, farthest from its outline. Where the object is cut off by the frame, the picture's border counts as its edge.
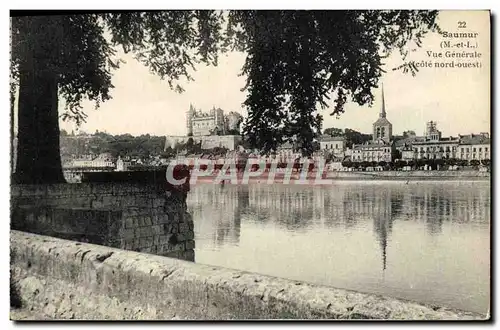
(430, 240)
(225, 204)
(297, 208)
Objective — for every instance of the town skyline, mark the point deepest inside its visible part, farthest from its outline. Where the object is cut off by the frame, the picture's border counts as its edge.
(457, 99)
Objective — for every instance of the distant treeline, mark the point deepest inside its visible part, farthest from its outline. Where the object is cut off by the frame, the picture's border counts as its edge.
(351, 136)
(124, 145)
(354, 137)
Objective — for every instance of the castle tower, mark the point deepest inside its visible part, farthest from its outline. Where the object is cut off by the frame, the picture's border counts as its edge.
(189, 119)
(219, 119)
(382, 128)
(431, 131)
(382, 109)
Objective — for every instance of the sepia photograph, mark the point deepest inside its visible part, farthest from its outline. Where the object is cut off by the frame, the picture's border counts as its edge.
(242, 165)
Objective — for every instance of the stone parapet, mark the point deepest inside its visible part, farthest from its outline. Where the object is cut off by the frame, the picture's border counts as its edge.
(62, 279)
(139, 217)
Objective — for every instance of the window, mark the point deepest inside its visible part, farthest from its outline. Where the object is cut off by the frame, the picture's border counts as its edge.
(383, 132)
(485, 149)
(480, 149)
(467, 149)
(473, 149)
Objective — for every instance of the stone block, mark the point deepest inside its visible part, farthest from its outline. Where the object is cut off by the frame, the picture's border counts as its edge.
(190, 245)
(174, 228)
(166, 228)
(146, 242)
(142, 232)
(146, 249)
(111, 201)
(128, 233)
(128, 244)
(190, 235)
(188, 255)
(173, 247)
(142, 201)
(183, 227)
(157, 230)
(129, 223)
(53, 190)
(102, 188)
(131, 211)
(180, 237)
(147, 220)
(15, 191)
(173, 216)
(79, 201)
(97, 204)
(163, 218)
(83, 189)
(163, 239)
(188, 217)
(158, 202)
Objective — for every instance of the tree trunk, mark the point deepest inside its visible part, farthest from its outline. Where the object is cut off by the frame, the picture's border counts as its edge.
(38, 156)
(12, 134)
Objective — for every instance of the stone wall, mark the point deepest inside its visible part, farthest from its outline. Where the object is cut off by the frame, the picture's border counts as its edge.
(145, 218)
(60, 279)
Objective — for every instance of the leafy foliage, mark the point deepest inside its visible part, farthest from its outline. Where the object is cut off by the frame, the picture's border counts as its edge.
(78, 53)
(74, 49)
(354, 137)
(298, 59)
(124, 145)
(332, 131)
(144, 147)
(407, 134)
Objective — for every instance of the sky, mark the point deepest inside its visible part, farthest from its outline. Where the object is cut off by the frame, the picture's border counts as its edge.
(457, 99)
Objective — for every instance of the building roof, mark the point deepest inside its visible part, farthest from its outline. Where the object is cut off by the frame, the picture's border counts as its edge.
(474, 139)
(370, 145)
(328, 138)
(431, 142)
(450, 138)
(409, 140)
(382, 121)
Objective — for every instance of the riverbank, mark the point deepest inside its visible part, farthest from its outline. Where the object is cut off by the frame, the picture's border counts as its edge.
(410, 175)
(312, 177)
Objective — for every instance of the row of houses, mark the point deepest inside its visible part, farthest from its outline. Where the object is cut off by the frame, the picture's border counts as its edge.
(429, 146)
(385, 147)
(106, 162)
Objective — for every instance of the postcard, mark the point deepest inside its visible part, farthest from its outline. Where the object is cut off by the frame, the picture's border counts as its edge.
(250, 165)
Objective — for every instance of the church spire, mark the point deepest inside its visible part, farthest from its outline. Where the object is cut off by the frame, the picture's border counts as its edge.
(382, 110)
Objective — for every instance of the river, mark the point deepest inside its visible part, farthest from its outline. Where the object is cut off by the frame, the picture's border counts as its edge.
(422, 241)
